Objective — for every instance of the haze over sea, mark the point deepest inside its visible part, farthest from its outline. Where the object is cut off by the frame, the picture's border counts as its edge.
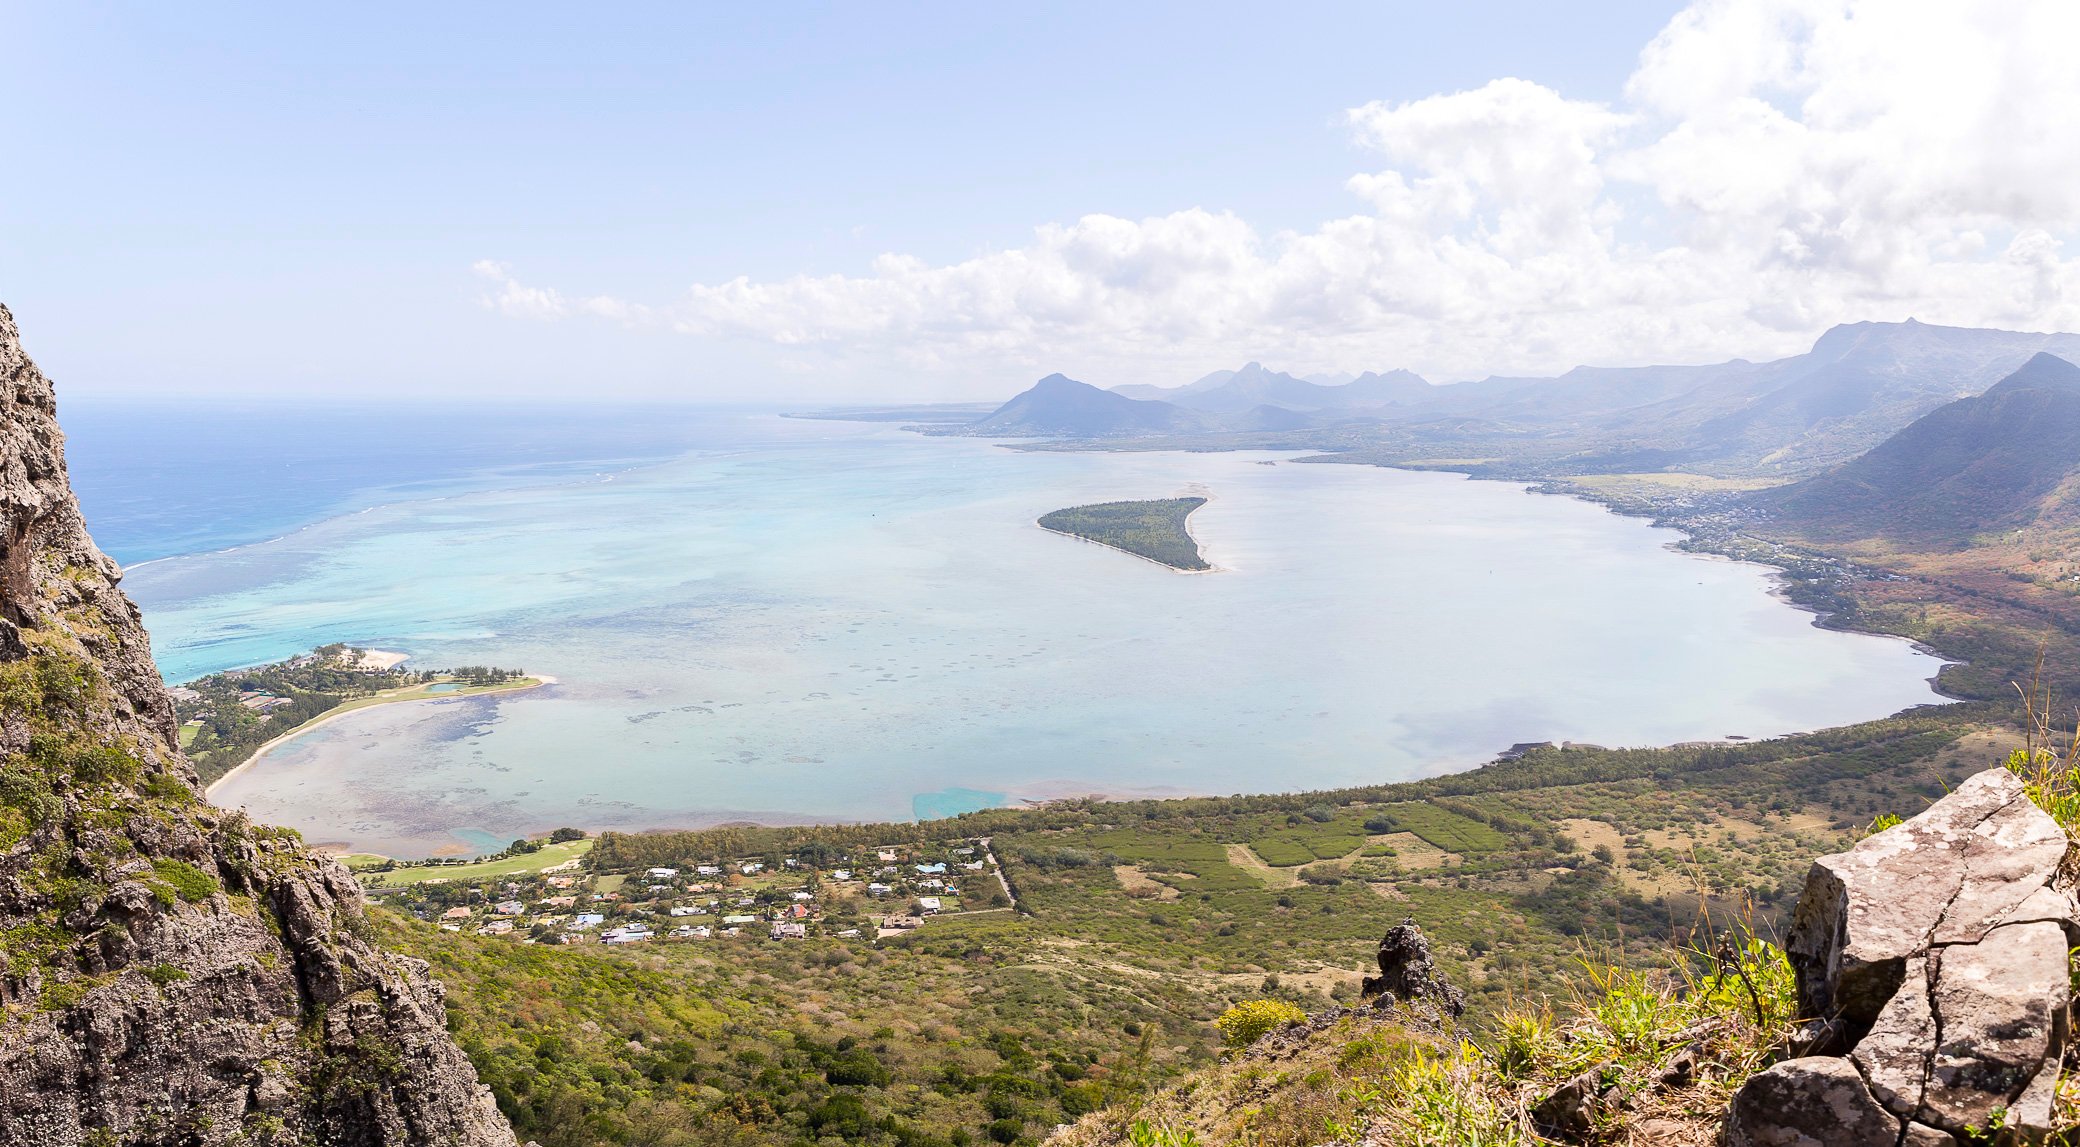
(758, 617)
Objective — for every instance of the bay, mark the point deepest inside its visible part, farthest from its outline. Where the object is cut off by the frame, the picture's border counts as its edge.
(810, 620)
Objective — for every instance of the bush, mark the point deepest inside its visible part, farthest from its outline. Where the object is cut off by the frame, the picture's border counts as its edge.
(179, 878)
(1246, 1022)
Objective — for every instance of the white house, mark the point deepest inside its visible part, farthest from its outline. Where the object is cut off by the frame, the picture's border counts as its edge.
(664, 873)
(929, 904)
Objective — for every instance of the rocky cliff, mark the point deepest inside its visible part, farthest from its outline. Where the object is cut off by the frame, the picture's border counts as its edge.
(1934, 960)
(169, 973)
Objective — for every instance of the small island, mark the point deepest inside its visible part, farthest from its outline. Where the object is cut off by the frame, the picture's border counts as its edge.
(1154, 530)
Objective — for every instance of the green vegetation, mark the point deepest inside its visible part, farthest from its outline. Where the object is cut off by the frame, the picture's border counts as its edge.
(1246, 1022)
(1667, 1047)
(1154, 530)
(1138, 923)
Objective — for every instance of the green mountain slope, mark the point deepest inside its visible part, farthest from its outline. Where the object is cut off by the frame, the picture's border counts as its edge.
(1992, 462)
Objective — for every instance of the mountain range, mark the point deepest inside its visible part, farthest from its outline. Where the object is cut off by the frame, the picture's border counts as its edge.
(1790, 417)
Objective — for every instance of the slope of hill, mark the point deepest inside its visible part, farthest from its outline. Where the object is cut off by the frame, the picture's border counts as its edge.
(1995, 461)
(170, 973)
(1059, 406)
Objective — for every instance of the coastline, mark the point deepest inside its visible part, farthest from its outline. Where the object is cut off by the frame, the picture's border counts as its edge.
(533, 681)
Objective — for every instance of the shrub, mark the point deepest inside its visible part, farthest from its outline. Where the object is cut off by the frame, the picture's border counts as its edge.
(1246, 1022)
(179, 878)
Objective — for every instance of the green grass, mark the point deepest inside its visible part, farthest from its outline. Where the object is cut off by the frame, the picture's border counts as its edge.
(1447, 830)
(1161, 854)
(549, 856)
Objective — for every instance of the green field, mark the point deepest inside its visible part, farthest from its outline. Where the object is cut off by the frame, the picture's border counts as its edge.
(1443, 828)
(1154, 530)
(549, 856)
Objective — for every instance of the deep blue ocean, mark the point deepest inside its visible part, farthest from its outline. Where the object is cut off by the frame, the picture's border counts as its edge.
(162, 478)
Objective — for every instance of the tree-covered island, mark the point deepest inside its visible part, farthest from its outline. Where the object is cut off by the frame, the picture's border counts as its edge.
(1154, 530)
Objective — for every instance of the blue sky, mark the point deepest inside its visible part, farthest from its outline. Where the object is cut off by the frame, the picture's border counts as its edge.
(517, 199)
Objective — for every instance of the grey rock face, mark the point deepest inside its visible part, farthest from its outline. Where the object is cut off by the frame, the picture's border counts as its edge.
(1939, 948)
(1819, 1101)
(1945, 877)
(174, 974)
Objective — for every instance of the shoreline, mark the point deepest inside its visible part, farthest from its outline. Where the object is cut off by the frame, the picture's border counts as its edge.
(209, 792)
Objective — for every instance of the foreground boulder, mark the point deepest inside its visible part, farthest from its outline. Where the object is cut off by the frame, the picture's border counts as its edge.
(169, 973)
(1934, 957)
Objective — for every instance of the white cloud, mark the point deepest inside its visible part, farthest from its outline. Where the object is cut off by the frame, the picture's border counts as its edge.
(1774, 167)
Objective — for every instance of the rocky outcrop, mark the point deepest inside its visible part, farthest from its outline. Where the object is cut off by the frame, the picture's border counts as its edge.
(169, 973)
(1407, 972)
(1933, 957)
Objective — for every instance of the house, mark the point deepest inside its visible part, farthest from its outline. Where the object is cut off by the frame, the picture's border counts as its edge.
(799, 911)
(560, 902)
(752, 869)
(632, 934)
(879, 890)
(562, 881)
(842, 874)
(803, 895)
(886, 855)
(931, 885)
(496, 928)
(964, 852)
(708, 870)
(790, 932)
(902, 923)
(701, 931)
(663, 874)
(588, 920)
(682, 932)
(183, 693)
(509, 908)
(931, 870)
(455, 914)
(928, 904)
(735, 920)
(689, 911)
(973, 866)
(849, 934)
(792, 862)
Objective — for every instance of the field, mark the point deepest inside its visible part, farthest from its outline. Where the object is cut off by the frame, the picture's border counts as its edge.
(370, 868)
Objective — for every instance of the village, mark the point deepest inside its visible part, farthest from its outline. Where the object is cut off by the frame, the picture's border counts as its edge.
(874, 893)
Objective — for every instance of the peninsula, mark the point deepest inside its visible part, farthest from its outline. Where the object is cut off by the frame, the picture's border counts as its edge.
(227, 719)
(1155, 530)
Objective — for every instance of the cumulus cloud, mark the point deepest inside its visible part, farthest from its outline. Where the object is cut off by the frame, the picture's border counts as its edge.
(1774, 166)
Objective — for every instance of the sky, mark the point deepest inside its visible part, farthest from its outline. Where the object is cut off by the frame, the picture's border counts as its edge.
(817, 203)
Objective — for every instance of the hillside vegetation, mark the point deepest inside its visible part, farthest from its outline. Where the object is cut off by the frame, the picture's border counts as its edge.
(1138, 923)
(1975, 466)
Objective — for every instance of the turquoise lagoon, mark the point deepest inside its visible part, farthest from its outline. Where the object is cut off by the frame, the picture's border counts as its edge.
(813, 620)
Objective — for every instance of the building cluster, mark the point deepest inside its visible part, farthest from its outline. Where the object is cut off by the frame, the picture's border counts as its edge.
(879, 891)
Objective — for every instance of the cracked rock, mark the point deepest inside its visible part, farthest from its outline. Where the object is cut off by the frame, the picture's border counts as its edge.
(1818, 1101)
